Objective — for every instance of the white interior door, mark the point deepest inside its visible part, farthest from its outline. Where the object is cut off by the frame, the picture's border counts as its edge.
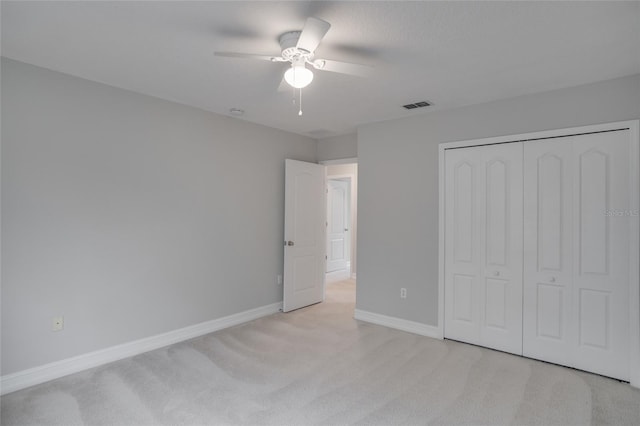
(483, 247)
(548, 265)
(601, 232)
(577, 256)
(337, 225)
(304, 234)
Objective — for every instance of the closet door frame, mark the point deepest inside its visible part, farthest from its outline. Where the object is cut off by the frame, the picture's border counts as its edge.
(634, 202)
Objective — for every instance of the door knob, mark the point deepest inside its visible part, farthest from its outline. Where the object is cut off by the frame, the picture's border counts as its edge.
(289, 243)
(346, 229)
(496, 273)
(552, 279)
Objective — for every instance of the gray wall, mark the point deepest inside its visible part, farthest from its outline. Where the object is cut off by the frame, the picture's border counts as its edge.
(398, 183)
(338, 147)
(129, 215)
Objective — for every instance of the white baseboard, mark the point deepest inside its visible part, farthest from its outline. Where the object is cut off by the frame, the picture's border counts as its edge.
(399, 324)
(33, 376)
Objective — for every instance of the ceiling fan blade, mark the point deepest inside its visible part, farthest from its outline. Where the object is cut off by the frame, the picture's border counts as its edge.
(312, 33)
(249, 56)
(343, 67)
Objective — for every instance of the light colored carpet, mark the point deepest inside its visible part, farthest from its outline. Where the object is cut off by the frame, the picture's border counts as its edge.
(319, 366)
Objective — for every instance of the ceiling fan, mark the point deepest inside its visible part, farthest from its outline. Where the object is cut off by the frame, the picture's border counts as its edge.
(297, 48)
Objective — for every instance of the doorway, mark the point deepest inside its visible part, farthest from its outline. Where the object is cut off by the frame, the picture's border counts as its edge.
(305, 242)
(338, 265)
(342, 195)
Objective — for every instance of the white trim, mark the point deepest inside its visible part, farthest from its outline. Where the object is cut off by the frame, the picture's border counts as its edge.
(398, 323)
(44, 373)
(523, 137)
(441, 239)
(634, 256)
(341, 176)
(352, 160)
(634, 272)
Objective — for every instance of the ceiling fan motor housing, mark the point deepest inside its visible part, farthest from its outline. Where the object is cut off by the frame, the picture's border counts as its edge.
(290, 52)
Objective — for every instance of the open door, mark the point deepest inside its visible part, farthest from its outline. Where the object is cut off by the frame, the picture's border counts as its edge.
(304, 234)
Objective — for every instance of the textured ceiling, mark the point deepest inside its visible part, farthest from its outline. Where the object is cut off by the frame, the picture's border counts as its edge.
(449, 53)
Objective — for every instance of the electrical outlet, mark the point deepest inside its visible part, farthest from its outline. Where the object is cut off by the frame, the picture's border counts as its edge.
(279, 279)
(57, 324)
(403, 293)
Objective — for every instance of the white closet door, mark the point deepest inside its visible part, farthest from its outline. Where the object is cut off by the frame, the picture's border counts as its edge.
(601, 253)
(462, 229)
(483, 248)
(576, 283)
(548, 265)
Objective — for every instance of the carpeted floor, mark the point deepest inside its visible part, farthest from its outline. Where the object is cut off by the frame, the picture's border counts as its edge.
(319, 366)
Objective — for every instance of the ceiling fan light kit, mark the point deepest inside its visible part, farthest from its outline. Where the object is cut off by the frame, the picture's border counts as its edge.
(297, 48)
(298, 76)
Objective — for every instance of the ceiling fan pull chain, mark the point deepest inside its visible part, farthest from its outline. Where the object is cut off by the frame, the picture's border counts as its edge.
(300, 104)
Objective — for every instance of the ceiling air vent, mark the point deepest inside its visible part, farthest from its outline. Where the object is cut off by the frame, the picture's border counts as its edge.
(417, 105)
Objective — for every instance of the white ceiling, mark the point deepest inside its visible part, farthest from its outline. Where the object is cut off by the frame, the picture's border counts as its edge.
(449, 53)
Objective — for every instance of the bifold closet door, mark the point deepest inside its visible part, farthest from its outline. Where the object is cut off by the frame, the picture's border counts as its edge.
(483, 246)
(548, 265)
(576, 262)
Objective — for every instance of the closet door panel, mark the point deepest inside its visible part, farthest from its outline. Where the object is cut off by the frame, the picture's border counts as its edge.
(547, 303)
(501, 253)
(464, 190)
(576, 252)
(462, 226)
(483, 249)
(497, 223)
(601, 253)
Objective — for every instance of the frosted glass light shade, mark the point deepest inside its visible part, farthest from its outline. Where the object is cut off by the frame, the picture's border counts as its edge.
(298, 76)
